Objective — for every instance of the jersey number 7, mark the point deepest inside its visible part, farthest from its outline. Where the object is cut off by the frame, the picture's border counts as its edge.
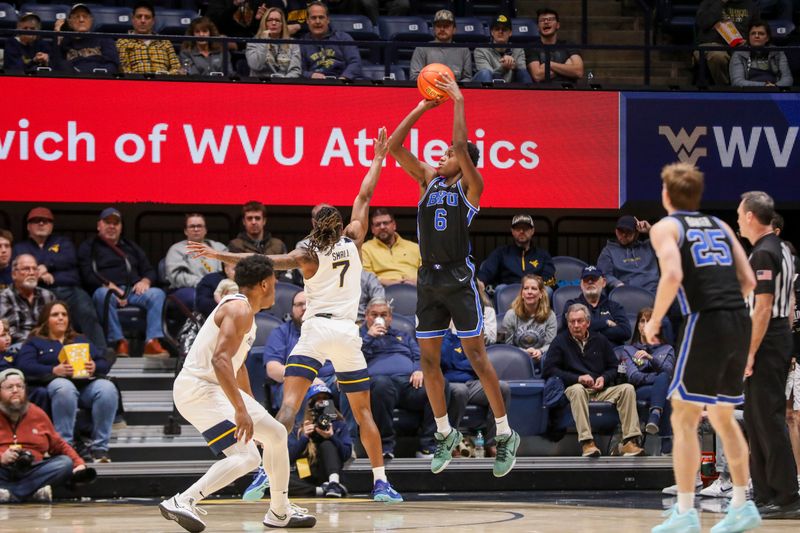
(345, 265)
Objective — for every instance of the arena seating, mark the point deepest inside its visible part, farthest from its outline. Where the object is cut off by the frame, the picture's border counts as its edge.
(568, 270)
(503, 297)
(284, 294)
(403, 299)
(8, 15)
(256, 369)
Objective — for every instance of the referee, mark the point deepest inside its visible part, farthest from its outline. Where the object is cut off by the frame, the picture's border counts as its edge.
(772, 466)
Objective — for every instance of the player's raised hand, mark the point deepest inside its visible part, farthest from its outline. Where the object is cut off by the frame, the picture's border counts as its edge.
(200, 249)
(651, 330)
(425, 105)
(381, 144)
(244, 426)
(449, 85)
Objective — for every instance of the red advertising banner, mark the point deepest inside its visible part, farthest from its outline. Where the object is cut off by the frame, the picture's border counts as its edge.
(73, 140)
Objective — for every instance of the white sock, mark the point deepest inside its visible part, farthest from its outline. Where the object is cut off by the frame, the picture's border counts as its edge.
(685, 502)
(334, 478)
(502, 425)
(379, 472)
(443, 425)
(242, 460)
(739, 496)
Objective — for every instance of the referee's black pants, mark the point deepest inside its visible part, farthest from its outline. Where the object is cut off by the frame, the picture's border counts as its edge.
(772, 465)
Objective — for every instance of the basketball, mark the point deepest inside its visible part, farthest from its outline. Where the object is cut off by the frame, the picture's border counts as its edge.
(426, 82)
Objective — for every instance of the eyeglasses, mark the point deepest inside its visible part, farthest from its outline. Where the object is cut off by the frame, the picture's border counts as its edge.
(39, 220)
(26, 269)
(195, 226)
(547, 19)
(277, 21)
(13, 386)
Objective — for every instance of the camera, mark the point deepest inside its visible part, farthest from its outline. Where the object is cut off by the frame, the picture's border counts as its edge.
(23, 463)
(323, 414)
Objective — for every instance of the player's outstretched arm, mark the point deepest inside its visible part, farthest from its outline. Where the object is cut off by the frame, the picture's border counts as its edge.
(471, 178)
(357, 228)
(664, 239)
(421, 172)
(200, 249)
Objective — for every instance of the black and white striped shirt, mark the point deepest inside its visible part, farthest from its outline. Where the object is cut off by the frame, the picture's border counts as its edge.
(773, 266)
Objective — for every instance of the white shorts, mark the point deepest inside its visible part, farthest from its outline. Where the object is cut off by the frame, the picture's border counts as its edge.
(206, 407)
(793, 387)
(335, 340)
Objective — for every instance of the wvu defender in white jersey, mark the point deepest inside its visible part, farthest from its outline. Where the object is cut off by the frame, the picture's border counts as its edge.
(331, 269)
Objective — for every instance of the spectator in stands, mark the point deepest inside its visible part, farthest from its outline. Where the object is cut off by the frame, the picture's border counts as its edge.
(711, 14)
(237, 18)
(627, 260)
(22, 302)
(507, 264)
(649, 368)
(465, 387)
(279, 345)
(147, 56)
(322, 60)
(184, 272)
(371, 288)
(393, 8)
(267, 59)
(110, 262)
(26, 53)
(530, 324)
(565, 64)
(501, 62)
(321, 438)
(458, 59)
(607, 317)
(584, 360)
(206, 298)
(255, 238)
(395, 377)
(761, 67)
(24, 427)
(74, 370)
(85, 54)
(6, 240)
(389, 256)
(203, 58)
(6, 357)
(59, 273)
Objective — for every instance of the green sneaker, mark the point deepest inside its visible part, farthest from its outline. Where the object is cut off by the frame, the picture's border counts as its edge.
(506, 456)
(444, 450)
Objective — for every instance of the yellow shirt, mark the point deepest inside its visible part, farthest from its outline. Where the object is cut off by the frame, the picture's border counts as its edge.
(400, 262)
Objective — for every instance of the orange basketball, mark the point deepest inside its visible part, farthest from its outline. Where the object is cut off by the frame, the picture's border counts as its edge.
(426, 82)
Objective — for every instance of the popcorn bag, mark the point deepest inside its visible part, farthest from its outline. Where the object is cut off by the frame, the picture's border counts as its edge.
(728, 30)
(76, 355)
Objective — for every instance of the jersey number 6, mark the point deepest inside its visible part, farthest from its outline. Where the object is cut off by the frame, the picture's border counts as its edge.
(440, 219)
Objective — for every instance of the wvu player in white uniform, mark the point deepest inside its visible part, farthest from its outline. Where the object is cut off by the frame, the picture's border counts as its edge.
(213, 393)
(331, 269)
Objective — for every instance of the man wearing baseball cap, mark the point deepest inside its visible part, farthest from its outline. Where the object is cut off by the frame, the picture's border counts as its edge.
(85, 54)
(458, 59)
(608, 317)
(627, 260)
(507, 264)
(501, 62)
(110, 262)
(58, 271)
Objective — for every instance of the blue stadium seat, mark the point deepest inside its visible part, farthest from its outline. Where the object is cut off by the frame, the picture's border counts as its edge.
(403, 30)
(284, 294)
(524, 30)
(49, 13)
(510, 362)
(405, 324)
(632, 299)
(503, 298)
(174, 21)
(526, 412)
(560, 298)
(677, 17)
(403, 298)
(359, 28)
(378, 72)
(111, 19)
(256, 371)
(470, 29)
(568, 270)
(781, 30)
(8, 15)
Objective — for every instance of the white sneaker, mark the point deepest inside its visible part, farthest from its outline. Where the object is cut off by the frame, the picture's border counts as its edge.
(721, 488)
(43, 495)
(295, 517)
(672, 490)
(185, 514)
(5, 496)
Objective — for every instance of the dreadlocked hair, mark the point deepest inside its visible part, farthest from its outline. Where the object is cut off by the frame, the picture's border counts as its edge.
(327, 230)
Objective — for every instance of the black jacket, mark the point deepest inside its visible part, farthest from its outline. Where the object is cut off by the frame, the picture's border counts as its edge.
(111, 266)
(567, 360)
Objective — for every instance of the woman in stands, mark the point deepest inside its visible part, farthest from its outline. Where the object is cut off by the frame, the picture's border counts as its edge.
(321, 442)
(530, 324)
(273, 60)
(649, 368)
(760, 67)
(73, 370)
(201, 58)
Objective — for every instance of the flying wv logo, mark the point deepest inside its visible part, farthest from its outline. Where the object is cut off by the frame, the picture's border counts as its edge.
(684, 143)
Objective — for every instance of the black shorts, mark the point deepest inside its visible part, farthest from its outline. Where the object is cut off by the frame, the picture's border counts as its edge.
(712, 355)
(448, 292)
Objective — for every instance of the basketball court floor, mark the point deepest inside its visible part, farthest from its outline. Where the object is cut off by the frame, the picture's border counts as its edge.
(607, 511)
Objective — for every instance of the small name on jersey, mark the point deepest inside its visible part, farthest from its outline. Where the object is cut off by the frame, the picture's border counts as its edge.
(440, 197)
(341, 255)
(698, 222)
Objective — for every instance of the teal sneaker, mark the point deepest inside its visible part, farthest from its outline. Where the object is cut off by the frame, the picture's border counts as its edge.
(676, 522)
(739, 519)
(383, 492)
(444, 450)
(506, 456)
(258, 487)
